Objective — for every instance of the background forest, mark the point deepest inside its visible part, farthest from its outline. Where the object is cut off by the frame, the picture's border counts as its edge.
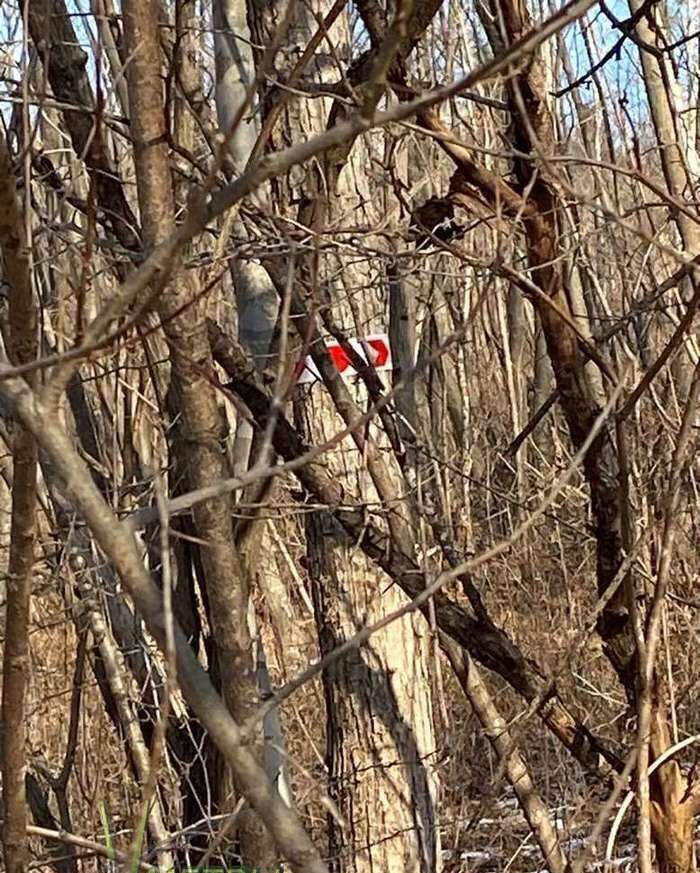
(440, 615)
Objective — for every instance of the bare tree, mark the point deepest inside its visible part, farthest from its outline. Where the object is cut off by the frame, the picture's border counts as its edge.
(341, 620)
(22, 349)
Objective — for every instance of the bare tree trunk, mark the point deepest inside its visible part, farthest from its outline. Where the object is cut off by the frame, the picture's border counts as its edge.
(105, 20)
(671, 820)
(116, 675)
(379, 742)
(256, 307)
(380, 738)
(677, 151)
(16, 261)
(378, 704)
(256, 297)
(201, 428)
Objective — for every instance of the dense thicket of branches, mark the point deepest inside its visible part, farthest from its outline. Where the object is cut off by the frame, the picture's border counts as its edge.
(341, 622)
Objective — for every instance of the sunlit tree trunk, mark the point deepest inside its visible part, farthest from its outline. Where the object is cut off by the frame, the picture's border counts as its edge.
(379, 742)
(16, 270)
(201, 425)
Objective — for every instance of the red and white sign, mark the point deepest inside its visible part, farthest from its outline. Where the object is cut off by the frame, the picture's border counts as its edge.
(373, 349)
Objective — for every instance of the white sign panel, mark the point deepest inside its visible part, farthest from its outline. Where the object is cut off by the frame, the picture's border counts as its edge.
(373, 349)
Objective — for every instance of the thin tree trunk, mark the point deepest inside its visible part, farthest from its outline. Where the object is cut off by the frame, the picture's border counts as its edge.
(201, 427)
(679, 158)
(671, 824)
(16, 261)
(123, 695)
(256, 297)
(510, 757)
(256, 307)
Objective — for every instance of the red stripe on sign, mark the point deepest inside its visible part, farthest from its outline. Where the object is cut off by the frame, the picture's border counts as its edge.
(339, 358)
(381, 352)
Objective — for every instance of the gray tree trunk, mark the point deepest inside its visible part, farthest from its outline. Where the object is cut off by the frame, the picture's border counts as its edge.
(380, 739)
(256, 306)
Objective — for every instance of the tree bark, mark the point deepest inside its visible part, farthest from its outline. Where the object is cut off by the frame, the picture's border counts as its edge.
(379, 740)
(379, 732)
(201, 428)
(16, 261)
